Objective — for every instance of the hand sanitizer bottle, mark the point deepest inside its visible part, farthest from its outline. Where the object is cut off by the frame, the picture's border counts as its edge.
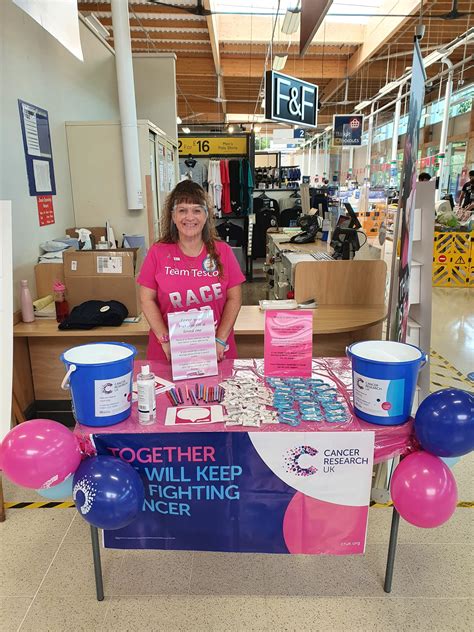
(146, 396)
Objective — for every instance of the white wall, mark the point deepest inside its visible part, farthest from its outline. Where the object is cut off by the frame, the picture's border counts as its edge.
(34, 67)
(155, 90)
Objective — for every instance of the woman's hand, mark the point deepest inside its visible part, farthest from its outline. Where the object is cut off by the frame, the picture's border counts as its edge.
(220, 351)
(166, 350)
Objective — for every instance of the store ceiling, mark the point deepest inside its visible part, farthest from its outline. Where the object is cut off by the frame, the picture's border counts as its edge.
(368, 49)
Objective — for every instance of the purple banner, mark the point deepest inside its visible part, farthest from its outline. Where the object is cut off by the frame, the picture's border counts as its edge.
(247, 492)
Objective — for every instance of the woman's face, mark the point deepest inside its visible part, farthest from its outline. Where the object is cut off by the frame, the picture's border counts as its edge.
(189, 219)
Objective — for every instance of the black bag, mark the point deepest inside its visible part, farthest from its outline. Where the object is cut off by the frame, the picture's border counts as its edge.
(95, 314)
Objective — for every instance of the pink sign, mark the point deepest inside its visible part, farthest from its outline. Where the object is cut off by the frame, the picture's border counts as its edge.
(288, 347)
(193, 344)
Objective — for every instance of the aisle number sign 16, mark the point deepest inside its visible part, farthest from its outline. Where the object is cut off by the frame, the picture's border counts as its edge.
(223, 146)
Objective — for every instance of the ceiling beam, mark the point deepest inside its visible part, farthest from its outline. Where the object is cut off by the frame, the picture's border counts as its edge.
(104, 7)
(243, 67)
(380, 29)
(159, 23)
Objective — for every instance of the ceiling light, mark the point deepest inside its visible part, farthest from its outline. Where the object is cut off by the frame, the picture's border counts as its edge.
(362, 105)
(230, 129)
(186, 130)
(433, 57)
(291, 21)
(279, 62)
(388, 87)
(178, 120)
(96, 24)
(257, 129)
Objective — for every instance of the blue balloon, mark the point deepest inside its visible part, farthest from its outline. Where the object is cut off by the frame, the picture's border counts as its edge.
(58, 492)
(444, 423)
(108, 492)
(451, 462)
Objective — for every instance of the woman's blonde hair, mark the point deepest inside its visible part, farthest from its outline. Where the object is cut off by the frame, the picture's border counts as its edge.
(189, 192)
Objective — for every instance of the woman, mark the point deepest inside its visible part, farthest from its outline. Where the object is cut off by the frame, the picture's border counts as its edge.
(188, 268)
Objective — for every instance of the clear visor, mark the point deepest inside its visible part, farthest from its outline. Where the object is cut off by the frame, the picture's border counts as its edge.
(190, 209)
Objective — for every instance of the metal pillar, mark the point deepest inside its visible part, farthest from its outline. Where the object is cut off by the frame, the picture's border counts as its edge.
(99, 585)
(316, 166)
(444, 128)
(396, 125)
(370, 136)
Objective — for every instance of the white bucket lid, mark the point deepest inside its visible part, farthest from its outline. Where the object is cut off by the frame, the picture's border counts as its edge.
(98, 353)
(385, 351)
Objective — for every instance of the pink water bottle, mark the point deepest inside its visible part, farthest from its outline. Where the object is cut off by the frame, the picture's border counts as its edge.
(27, 312)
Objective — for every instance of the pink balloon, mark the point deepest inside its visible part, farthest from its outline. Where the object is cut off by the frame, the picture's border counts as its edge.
(424, 490)
(39, 453)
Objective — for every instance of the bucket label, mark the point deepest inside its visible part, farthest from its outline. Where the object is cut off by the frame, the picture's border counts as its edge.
(382, 398)
(112, 396)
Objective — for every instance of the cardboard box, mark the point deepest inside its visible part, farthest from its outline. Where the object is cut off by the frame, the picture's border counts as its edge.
(45, 276)
(103, 275)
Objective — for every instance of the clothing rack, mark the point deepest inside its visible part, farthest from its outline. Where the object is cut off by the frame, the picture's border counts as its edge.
(240, 219)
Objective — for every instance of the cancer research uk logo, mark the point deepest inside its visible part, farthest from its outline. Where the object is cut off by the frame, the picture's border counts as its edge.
(292, 463)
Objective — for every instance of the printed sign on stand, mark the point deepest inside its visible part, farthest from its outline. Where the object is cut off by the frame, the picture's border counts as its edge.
(288, 344)
(293, 492)
(193, 344)
(400, 283)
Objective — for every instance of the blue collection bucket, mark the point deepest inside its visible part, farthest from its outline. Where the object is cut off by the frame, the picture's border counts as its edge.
(99, 376)
(384, 375)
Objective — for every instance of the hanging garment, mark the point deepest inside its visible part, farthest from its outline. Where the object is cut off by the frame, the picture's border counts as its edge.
(224, 168)
(215, 185)
(290, 216)
(231, 233)
(197, 173)
(234, 176)
(250, 186)
(264, 219)
(264, 201)
(246, 186)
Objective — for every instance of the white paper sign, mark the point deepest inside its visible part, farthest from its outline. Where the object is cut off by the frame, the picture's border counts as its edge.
(193, 344)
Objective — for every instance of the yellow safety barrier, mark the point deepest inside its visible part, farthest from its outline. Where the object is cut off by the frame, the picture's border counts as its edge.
(453, 259)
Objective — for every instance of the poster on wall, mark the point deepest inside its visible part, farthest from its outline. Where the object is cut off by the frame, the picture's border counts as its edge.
(400, 283)
(37, 147)
(253, 492)
(45, 210)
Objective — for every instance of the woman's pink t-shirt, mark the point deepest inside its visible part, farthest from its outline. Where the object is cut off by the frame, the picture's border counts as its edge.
(183, 283)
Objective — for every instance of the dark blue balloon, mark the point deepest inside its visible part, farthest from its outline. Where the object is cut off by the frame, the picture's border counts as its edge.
(108, 492)
(444, 423)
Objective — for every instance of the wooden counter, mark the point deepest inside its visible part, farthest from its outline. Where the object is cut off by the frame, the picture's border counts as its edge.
(38, 371)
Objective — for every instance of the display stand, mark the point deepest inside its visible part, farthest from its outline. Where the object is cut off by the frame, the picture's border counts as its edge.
(419, 316)
(399, 442)
(205, 147)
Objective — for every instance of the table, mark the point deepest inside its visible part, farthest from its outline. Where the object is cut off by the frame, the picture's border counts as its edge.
(38, 371)
(389, 442)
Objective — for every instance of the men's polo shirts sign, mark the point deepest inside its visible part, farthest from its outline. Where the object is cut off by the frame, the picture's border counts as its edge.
(290, 100)
(347, 130)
